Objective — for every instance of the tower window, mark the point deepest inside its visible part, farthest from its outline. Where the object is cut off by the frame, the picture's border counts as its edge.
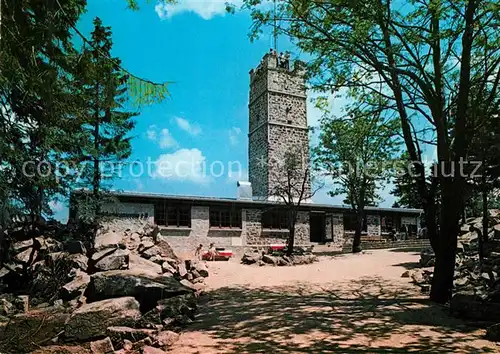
(289, 121)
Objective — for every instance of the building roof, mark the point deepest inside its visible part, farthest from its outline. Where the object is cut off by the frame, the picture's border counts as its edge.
(257, 203)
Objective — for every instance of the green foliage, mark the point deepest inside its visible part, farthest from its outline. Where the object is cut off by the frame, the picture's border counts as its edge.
(357, 151)
(105, 128)
(37, 110)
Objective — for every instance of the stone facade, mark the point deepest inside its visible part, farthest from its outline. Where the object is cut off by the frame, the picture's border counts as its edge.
(255, 235)
(373, 227)
(277, 120)
(334, 229)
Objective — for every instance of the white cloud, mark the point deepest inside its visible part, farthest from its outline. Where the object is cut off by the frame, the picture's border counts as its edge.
(234, 134)
(151, 132)
(184, 124)
(183, 165)
(167, 140)
(164, 138)
(206, 9)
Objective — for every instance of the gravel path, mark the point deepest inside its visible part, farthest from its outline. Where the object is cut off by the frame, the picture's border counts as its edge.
(344, 304)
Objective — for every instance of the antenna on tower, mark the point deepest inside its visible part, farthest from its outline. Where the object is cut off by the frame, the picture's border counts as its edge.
(275, 28)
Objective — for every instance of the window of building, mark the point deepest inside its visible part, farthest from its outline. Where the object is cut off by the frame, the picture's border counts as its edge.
(225, 217)
(387, 224)
(350, 222)
(275, 219)
(172, 215)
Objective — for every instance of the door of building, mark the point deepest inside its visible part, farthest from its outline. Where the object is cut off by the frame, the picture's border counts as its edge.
(317, 227)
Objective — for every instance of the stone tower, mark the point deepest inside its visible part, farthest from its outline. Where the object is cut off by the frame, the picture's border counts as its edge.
(277, 118)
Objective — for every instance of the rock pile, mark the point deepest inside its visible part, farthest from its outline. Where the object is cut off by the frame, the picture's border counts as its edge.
(129, 292)
(476, 292)
(279, 258)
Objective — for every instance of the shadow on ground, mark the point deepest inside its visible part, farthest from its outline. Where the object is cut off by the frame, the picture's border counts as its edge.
(371, 315)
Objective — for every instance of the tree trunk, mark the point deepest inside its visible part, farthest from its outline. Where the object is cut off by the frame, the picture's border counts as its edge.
(356, 242)
(485, 213)
(291, 240)
(445, 245)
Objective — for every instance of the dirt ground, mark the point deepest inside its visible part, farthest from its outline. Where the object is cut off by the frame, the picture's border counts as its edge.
(343, 304)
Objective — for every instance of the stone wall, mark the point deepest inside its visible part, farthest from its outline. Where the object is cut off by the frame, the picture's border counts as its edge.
(142, 210)
(185, 240)
(373, 227)
(334, 229)
(255, 235)
(257, 154)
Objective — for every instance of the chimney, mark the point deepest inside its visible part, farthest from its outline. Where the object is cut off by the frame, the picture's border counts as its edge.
(244, 190)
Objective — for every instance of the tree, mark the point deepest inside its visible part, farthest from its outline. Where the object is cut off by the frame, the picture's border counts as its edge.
(290, 183)
(424, 59)
(107, 125)
(37, 109)
(356, 152)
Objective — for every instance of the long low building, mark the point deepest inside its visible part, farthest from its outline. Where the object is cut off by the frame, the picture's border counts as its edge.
(187, 221)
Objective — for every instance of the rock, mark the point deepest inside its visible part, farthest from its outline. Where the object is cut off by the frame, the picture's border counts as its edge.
(127, 345)
(76, 287)
(166, 338)
(119, 334)
(281, 261)
(22, 245)
(146, 243)
(493, 333)
(142, 343)
(133, 241)
(78, 261)
(195, 274)
(188, 284)
(198, 280)
(91, 320)
(145, 288)
(250, 258)
(154, 233)
(471, 307)
(109, 240)
(103, 346)
(116, 260)
(181, 269)
(166, 250)
(152, 350)
(75, 247)
(157, 259)
(261, 263)
(173, 262)
(200, 268)
(177, 310)
(27, 256)
(22, 302)
(151, 252)
(427, 258)
(143, 265)
(97, 256)
(37, 325)
(269, 259)
(406, 274)
(166, 267)
(199, 287)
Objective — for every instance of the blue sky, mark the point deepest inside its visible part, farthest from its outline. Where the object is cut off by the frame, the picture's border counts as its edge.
(207, 54)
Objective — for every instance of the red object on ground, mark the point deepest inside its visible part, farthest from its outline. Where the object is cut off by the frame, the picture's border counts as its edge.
(221, 255)
(277, 247)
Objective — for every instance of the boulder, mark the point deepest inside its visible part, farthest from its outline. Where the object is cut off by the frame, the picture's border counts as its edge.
(493, 333)
(37, 325)
(181, 269)
(471, 307)
(143, 265)
(116, 260)
(188, 284)
(269, 259)
(166, 250)
(29, 255)
(177, 310)
(427, 258)
(109, 240)
(119, 333)
(145, 288)
(405, 274)
(166, 338)
(91, 320)
(151, 252)
(200, 268)
(152, 350)
(75, 247)
(146, 243)
(103, 346)
(166, 267)
(250, 258)
(22, 245)
(76, 287)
